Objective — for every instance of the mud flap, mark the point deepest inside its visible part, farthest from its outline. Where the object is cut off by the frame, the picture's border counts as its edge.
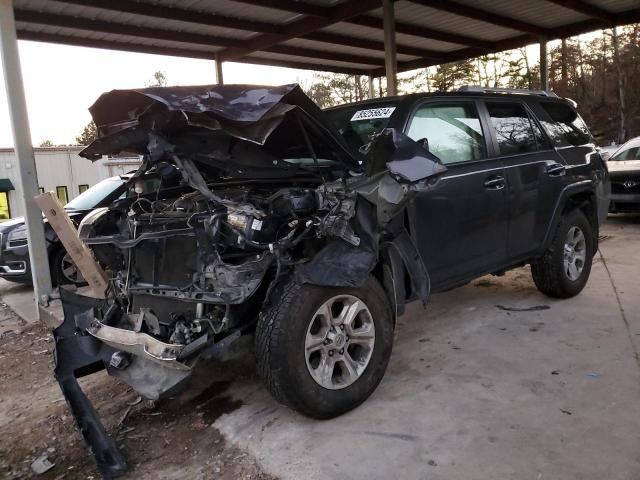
(78, 354)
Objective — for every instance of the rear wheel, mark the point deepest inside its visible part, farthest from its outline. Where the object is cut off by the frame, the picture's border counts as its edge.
(563, 270)
(324, 350)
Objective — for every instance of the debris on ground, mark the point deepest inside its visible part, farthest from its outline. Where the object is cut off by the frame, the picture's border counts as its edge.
(42, 465)
(534, 308)
(40, 440)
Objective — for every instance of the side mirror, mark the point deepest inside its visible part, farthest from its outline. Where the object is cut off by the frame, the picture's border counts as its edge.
(424, 143)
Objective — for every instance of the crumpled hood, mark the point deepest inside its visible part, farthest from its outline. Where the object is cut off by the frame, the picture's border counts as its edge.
(127, 120)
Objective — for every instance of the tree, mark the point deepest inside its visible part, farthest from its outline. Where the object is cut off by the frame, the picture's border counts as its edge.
(328, 89)
(158, 79)
(46, 143)
(88, 135)
(451, 75)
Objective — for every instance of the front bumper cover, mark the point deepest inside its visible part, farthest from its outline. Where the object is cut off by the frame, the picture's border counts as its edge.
(78, 354)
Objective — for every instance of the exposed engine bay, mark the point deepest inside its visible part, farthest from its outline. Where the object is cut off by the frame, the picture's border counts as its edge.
(187, 269)
(240, 188)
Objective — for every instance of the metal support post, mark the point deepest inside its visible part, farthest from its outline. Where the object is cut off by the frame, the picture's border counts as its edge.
(27, 175)
(219, 77)
(544, 65)
(390, 60)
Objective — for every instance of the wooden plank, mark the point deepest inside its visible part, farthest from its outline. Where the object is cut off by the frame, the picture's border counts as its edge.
(79, 252)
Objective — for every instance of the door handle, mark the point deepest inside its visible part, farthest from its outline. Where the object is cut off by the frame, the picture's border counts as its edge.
(494, 183)
(556, 170)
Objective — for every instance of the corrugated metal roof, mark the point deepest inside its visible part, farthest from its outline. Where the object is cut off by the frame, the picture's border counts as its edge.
(334, 35)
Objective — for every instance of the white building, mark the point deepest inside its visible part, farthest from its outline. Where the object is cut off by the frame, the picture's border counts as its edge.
(60, 170)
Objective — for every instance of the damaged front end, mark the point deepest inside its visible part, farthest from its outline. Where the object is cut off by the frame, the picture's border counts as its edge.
(240, 188)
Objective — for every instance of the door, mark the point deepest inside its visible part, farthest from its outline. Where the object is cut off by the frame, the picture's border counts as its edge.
(535, 174)
(460, 225)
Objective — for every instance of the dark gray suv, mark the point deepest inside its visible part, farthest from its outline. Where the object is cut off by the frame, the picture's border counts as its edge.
(307, 231)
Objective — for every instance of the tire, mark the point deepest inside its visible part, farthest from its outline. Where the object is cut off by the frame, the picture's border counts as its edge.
(551, 274)
(287, 329)
(60, 270)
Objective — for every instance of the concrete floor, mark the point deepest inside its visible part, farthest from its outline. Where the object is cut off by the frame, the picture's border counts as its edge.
(474, 391)
(477, 390)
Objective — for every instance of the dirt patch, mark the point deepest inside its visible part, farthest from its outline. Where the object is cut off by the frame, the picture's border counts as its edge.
(173, 438)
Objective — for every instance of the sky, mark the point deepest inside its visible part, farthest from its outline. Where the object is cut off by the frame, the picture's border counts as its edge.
(62, 82)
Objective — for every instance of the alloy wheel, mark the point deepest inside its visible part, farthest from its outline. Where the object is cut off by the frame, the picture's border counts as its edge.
(339, 342)
(575, 253)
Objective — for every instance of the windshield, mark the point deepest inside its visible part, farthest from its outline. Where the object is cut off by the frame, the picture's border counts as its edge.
(356, 123)
(92, 197)
(631, 153)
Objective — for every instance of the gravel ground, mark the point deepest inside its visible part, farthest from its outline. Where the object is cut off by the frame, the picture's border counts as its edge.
(169, 439)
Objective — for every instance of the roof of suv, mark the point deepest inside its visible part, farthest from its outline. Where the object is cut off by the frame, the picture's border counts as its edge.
(533, 94)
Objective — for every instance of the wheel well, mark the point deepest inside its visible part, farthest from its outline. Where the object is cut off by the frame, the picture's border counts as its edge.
(55, 249)
(586, 203)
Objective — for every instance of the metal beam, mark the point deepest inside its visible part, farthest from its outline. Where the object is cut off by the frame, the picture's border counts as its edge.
(27, 186)
(483, 15)
(176, 13)
(177, 52)
(423, 32)
(291, 6)
(307, 24)
(369, 44)
(182, 37)
(390, 60)
(300, 65)
(216, 20)
(544, 65)
(587, 9)
(324, 54)
(139, 31)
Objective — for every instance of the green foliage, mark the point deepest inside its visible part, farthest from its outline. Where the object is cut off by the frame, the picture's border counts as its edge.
(590, 77)
(159, 79)
(449, 76)
(329, 89)
(88, 134)
(47, 143)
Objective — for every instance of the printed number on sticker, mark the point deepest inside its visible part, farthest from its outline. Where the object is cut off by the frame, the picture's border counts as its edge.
(373, 113)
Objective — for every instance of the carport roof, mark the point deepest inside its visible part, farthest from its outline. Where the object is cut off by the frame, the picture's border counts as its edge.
(341, 36)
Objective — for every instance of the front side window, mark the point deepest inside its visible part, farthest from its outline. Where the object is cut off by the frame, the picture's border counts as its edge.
(515, 131)
(451, 131)
(357, 123)
(632, 153)
(567, 127)
(62, 194)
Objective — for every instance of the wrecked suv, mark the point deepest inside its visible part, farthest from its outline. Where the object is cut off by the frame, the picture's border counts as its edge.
(257, 215)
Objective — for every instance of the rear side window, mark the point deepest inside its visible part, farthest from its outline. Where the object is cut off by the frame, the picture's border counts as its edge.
(567, 127)
(515, 130)
(451, 131)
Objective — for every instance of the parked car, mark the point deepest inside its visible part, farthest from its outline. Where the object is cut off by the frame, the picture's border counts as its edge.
(624, 168)
(14, 252)
(312, 230)
(608, 150)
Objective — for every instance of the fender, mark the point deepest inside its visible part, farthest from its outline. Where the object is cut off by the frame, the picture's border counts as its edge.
(401, 255)
(566, 193)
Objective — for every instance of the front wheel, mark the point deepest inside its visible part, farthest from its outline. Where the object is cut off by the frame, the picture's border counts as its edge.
(324, 350)
(64, 270)
(563, 270)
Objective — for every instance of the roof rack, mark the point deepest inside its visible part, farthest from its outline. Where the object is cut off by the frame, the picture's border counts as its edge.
(522, 91)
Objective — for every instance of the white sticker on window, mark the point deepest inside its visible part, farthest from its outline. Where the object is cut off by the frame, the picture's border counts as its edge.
(384, 112)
